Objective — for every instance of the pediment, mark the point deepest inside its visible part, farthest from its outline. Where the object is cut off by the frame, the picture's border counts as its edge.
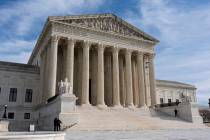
(105, 22)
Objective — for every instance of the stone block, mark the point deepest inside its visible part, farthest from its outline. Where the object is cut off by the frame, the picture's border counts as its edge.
(4, 125)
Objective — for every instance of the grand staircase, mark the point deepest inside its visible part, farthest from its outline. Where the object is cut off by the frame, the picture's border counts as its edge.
(92, 118)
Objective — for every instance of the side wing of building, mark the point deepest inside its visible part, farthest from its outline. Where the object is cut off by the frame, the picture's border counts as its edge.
(171, 91)
(19, 90)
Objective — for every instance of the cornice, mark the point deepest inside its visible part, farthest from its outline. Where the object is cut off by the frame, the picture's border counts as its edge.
(17, 67)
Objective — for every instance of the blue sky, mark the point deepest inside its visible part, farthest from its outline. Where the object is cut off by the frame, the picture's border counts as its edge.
(182, 26)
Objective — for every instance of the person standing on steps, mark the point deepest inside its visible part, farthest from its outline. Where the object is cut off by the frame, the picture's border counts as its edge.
(58, 124)
(175, 112)
(55, 124)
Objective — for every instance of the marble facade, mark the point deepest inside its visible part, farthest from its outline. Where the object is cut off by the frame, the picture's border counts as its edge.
(107, 61)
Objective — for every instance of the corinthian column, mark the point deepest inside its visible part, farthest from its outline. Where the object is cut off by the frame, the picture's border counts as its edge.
(116, 88)
(100, 77)
(52, 66)
(85, 74)
(140, 68)
(129, 84)
(152, 79)
(70, 61)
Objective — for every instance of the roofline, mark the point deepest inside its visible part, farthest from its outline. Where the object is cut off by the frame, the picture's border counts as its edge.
(19, 67)
(177, 83)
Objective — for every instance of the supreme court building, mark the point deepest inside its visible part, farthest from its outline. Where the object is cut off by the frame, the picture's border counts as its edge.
(108, 62)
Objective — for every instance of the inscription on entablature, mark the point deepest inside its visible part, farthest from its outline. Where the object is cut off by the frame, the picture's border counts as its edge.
(107, 24)
(71, 30)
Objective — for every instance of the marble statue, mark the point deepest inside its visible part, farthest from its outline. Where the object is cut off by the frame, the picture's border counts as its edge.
(65, 87)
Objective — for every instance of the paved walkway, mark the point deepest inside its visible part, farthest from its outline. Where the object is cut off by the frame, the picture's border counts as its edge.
(185, 134)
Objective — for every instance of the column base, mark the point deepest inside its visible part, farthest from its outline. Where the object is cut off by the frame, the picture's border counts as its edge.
(143, 107)
(115, 107)
(101, 106)
(131, 106)
(86, 106)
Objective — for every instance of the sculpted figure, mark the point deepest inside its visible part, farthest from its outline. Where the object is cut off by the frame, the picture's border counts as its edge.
(65, 87)
(61, 87)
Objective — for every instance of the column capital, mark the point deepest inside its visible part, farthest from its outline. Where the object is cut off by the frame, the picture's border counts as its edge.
(71, 40)
(101, 46)
(55, 38)
(129, 51)
(151, 55)
(141, 53)
(115, 49)
(87, 43)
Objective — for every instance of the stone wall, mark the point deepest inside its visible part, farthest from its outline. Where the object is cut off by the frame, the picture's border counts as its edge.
(187, 111)
(62, 107)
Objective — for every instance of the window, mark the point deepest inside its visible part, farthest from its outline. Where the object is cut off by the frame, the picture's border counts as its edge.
(161, 100)
(0, 90)
(28, 95)
(11, 115)
(169, 100)
(177, 100)
(13, 95)
(27, 116)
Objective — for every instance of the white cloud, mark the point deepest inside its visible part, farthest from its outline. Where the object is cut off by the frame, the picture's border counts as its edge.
(184, 49)
(23, 15)
(16, 45)
(20, 20)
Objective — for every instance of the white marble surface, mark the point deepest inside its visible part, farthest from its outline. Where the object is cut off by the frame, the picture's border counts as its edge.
(32, 135)
(186, 134)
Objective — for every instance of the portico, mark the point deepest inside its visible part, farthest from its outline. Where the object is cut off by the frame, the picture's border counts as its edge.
(107, 61)
(88, 65)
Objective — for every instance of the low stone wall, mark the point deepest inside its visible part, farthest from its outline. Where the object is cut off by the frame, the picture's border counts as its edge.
(63, 107)
(187, 111)
(32, 136)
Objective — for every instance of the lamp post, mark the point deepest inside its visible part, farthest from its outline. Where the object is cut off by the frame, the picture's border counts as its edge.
(5, 112)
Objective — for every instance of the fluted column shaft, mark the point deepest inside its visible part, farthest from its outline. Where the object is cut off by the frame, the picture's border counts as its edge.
(152, 79)
(52, 66)
(129, 84)
(70, 61)
(116, 87)
(140, 68)
(100, 76)
(85, 74)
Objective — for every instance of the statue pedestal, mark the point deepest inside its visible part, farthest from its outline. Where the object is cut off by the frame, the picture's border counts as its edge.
(4, 125)
(62, 107)
(68, 114)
